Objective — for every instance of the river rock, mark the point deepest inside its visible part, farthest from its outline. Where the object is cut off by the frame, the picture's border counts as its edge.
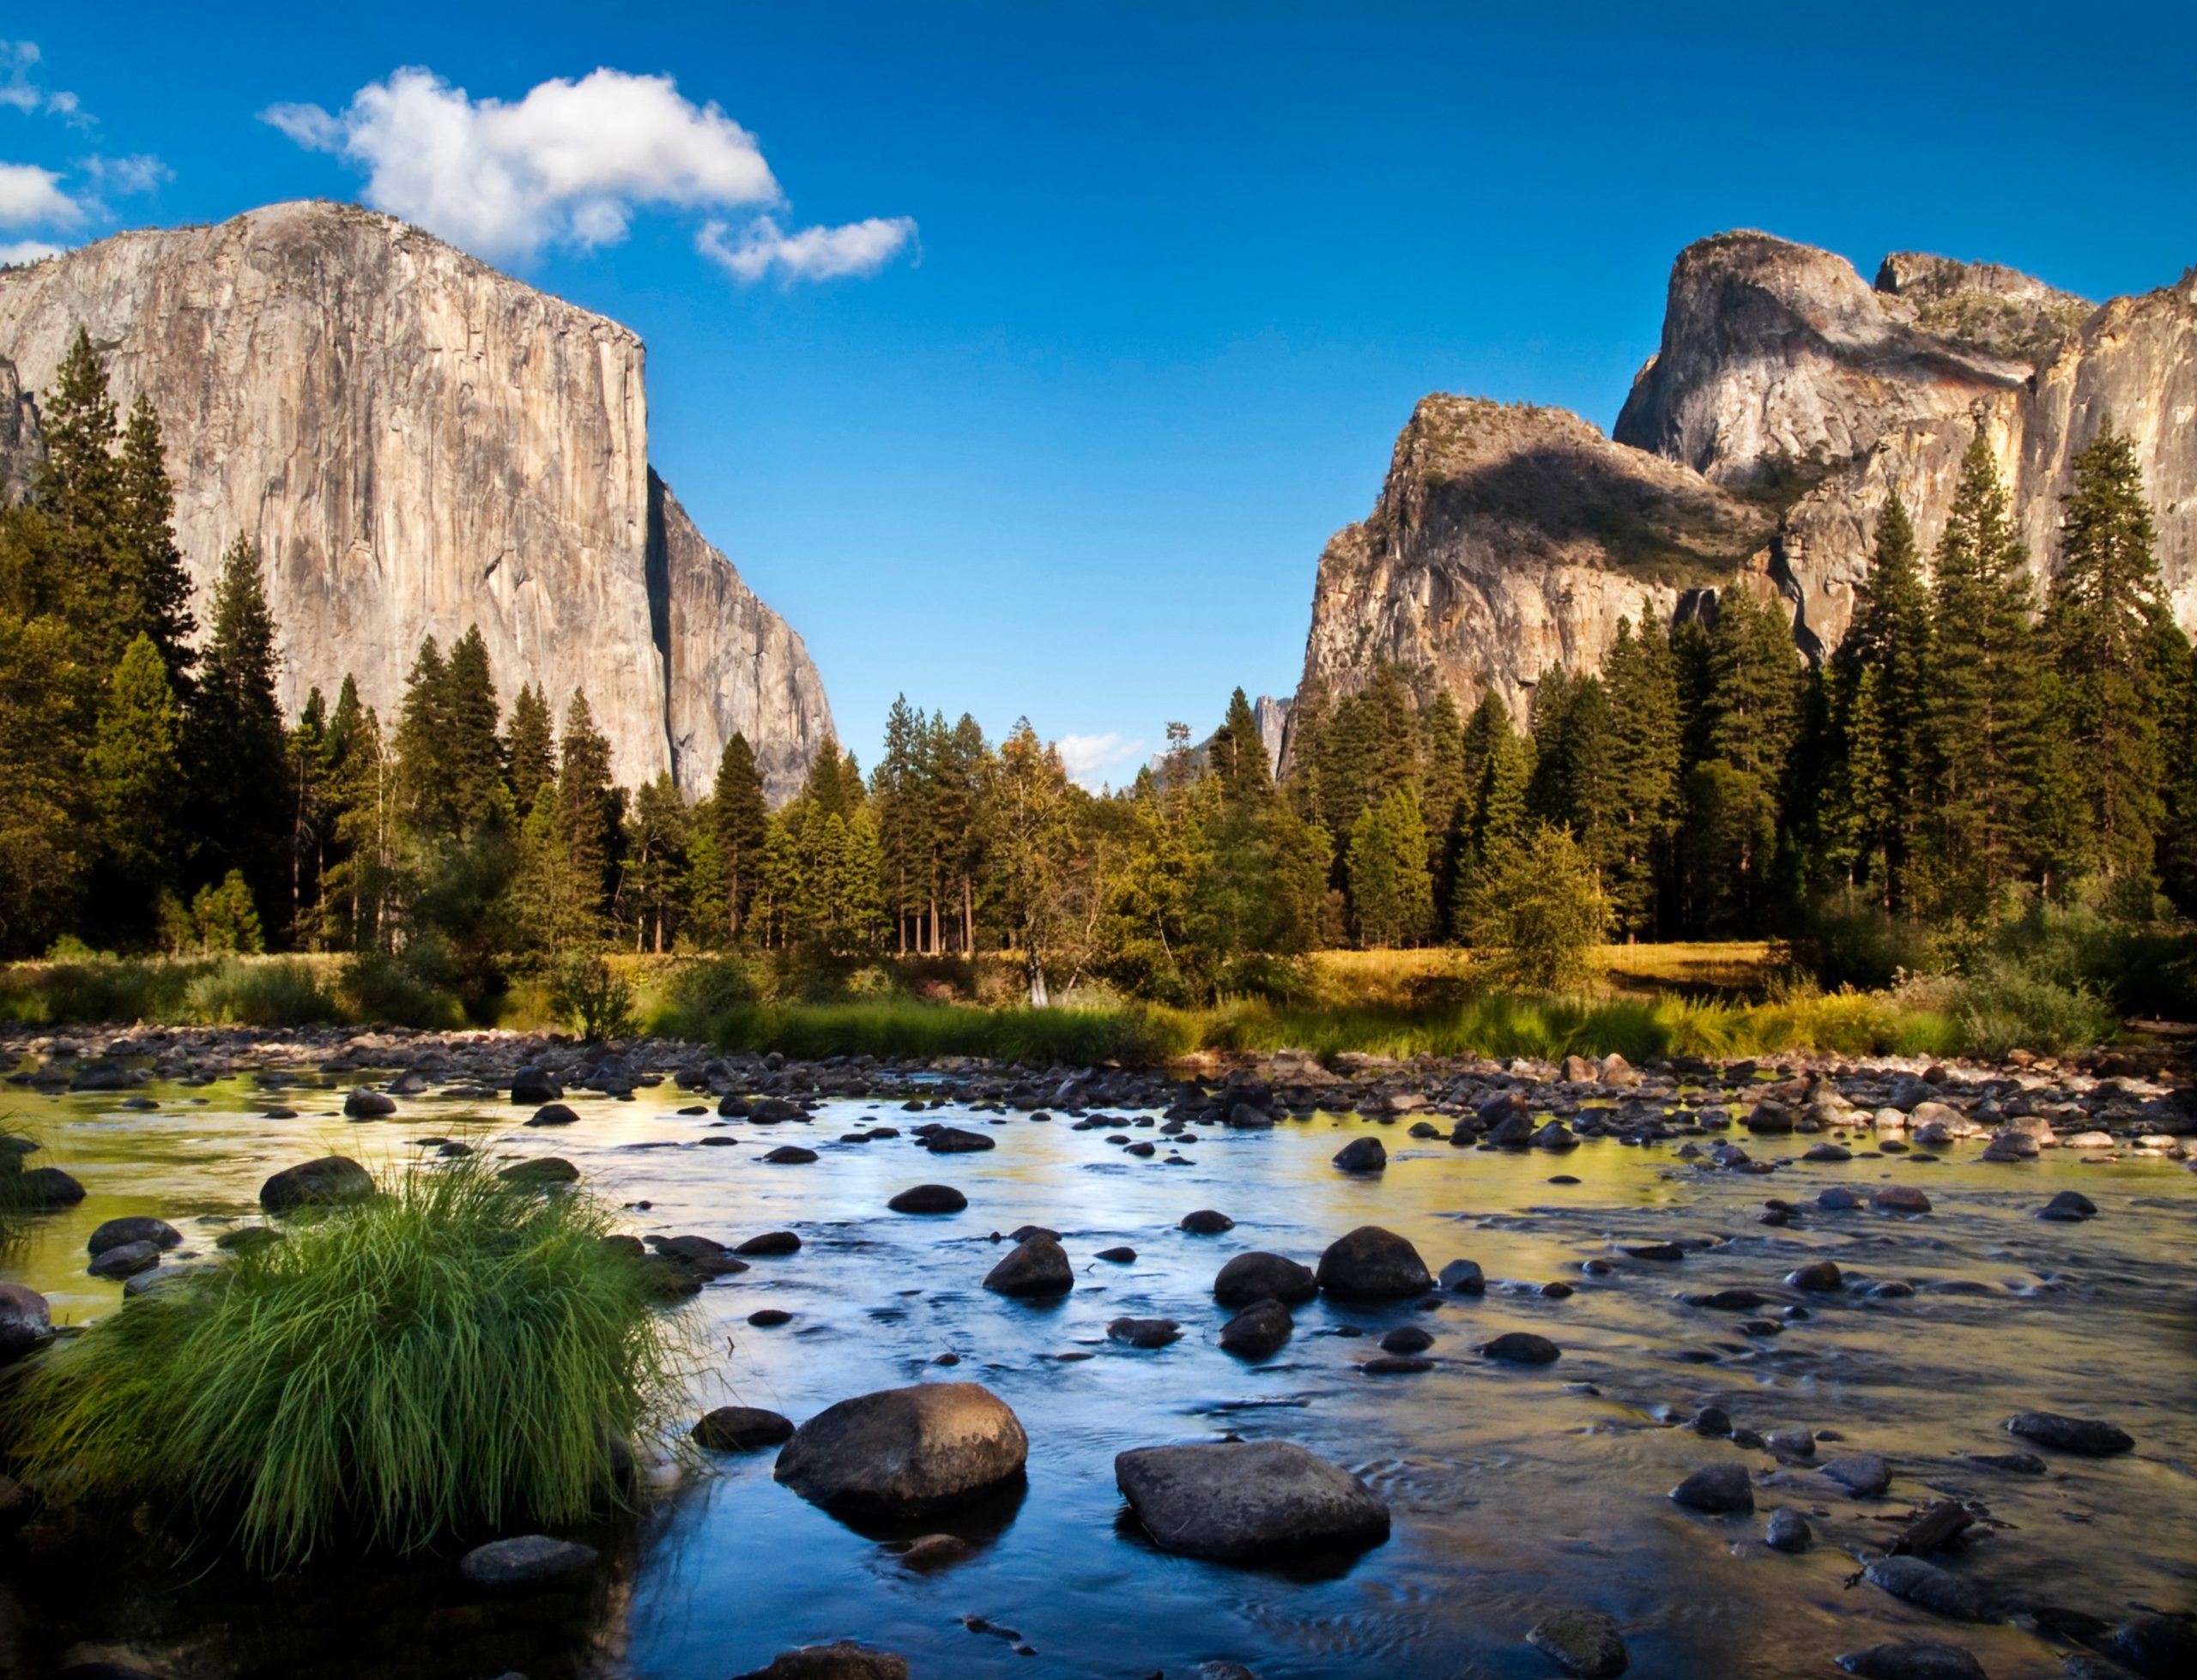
(769, 1243)
(1789, 1531)
(1243, 1117)
(1408, 1338)
(1584, 1642)
(2068, 1208)
(1926, 1584)
(1899, 1198)
(1372, 1264)
(45, 1189)
(1463, 1277)
(1246, 1502)
(364, 1104)
(134, 1228)
(1864, 1475)
(1205, 1222)
(739, 1429)
(2159, 1648)
(534, 1084)
(2085, 1435)
(1258, 1330)
(331, 1179)
(790, 1155)
(1258, 1276)
(1912, 1659)
(1037, 1267)
(1121, 1254)
(523, 1561)
(125, 1260)
(844, 1660)
(1818, 1277)
(929, 1199)
(903, 1452)
(1521, 1347)
(1144, 1333)
(1722, 1489)
(952, 1140)
(543, 1172)
(1362, 1155)
(553, 1114)
(1769, 1119)
(25, 1320)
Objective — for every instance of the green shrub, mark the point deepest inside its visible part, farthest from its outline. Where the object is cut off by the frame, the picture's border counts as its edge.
(2007, 1006)
(384, 990)
(1850, 940)
(1138, 1036)
(584, 989)
(80, 993)
(700, 991)
(452, 1356)
(1537, 910)
(259, 995)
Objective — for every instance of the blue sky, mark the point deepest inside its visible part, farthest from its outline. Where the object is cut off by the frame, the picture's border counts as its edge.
(1132, 297)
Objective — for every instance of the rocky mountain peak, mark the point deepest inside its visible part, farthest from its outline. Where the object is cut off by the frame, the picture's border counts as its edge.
(1983, 306)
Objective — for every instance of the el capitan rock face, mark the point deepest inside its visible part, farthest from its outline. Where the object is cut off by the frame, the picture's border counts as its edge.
(418, 443)
(1758, 447)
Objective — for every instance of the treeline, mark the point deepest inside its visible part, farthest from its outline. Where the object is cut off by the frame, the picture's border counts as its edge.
(1971, 747)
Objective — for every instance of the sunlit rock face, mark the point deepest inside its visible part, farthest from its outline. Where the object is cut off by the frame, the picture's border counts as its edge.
(1789, 400)
(419, 444)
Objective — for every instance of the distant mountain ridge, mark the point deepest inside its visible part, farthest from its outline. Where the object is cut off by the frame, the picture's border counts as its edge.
(418, 443)
(1759, 446)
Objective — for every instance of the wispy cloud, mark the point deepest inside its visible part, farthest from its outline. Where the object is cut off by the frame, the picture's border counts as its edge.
(1085, 756)
(27, 251)
(570, 164)
(22, 92)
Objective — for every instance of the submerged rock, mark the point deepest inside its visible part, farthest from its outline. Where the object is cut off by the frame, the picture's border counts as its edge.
(1258, 1330)
(903, 1452)
(1862, 1474)
(1372, 1264)
(2085, 1435)
(1244, 1502)
(25, 1320)
(43, 1189)
(125, 1260)
(1521, 1347)
(1818, 1277)
(1362, 1155)
(1789, 1531)
(929, 1199)
(769, 1243)
(523, 1561)
(844, 1660)
(2068, 1208)
(543, 1173)
(364, 1104)
(739, 1429)
(330, 1180)
(134, 1228)
(1036, 1267)
(1258, 1276)
(1722, 1489)
(1927, 1584)
(1205, 1222)
(952, 1140)
(1144, 1333)
(1584, 1642)
(553, 1114)
(1463, 1277)
(1912, 1659)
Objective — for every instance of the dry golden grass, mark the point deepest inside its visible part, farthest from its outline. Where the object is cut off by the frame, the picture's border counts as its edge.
(1379, 978)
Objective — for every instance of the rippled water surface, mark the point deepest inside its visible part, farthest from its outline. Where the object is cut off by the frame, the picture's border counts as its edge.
(1515, 1490)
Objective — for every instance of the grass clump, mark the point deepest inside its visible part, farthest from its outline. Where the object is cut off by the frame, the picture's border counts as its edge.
(451, 1356)
(278, 993)
(1137, 1035)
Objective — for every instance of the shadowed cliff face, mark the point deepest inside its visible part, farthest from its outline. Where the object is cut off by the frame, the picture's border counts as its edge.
(419, 444)
(1787, 401)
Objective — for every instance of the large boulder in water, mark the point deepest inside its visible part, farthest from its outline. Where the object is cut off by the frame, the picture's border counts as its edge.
(904, 1452)
(1912, 1659)
(1258, 1276)
(134, 1228)
(1373, 1264)
(44, 1189)
(1246, 1502)
(1038, 1267)
(322, 1183)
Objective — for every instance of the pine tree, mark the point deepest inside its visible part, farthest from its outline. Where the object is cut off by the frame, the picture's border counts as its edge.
(1239, 752)
(2105, 623)
(310, 814)
(1876, 697)
(742, 822)
(653, 885)
(824, 788)
(1982, 717)
(1641, 680)
(1754, 687)
(587, 817)
(160, 585)
(898, 794)
(2177, 861)
(79, 488)
(472, 757)
(239, 757)
(135, 771)
(1391, 894)
(1305, 748)
(363, 898)
(423, 734)
(1442, 788)
(530, 747)
(42, 844)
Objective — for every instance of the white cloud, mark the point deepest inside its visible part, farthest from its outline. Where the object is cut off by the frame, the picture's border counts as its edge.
(567, 163)
(21, 59)
(813, 253)
(1085, 756)
(139, 173)
(27, 251)
(30, 194)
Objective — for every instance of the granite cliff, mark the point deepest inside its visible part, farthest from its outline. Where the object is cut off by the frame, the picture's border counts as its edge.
(418, 443)
(1758, 448)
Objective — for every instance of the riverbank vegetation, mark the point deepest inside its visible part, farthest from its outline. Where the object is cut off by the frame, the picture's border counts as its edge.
(452, 1356)
(1979, 815)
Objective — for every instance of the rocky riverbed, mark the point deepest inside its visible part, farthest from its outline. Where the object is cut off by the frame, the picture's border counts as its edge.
(1696, 1368)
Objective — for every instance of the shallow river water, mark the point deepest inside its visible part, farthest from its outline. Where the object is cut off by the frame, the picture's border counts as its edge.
(1515, 1490)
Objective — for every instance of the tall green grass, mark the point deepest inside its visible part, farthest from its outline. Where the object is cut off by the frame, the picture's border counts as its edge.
(450, 1357)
